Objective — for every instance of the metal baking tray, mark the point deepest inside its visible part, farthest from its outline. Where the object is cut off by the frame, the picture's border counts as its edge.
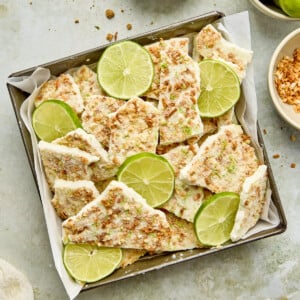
(90, 57)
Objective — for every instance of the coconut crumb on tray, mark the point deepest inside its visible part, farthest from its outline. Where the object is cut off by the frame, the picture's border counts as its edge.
(109, 13)
(116, 35)
(109, 37)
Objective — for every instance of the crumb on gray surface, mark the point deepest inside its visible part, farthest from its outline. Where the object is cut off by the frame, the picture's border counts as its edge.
(293, 138)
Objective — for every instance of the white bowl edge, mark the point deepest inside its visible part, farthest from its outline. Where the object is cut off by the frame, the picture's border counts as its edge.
(270, 12)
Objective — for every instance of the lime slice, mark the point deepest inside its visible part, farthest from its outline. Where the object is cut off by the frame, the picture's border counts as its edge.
(90, 263)
(215, 218)
(53, 119)
(150, 175)
(220, 88)
(125, 70)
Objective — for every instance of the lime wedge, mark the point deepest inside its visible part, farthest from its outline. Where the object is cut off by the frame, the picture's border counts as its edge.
(150, 175)
(125, 70)
(53, 119)
(90, 263)
(215, 218)
(220, 88)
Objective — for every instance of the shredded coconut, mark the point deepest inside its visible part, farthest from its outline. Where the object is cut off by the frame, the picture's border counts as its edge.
(287, 80)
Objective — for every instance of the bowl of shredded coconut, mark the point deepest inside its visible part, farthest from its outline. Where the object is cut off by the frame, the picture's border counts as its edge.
(284, 78)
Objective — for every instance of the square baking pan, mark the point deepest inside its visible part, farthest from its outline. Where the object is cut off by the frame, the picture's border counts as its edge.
(90, 57)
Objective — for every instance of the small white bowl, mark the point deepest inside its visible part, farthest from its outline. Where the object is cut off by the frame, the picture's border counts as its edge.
(285, 48)
(272, 10)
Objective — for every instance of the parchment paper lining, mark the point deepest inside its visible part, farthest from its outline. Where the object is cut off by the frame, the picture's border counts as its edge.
(235, 28)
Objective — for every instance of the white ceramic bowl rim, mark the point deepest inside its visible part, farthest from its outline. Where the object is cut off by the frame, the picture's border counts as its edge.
(270, 12)
(272, 87)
